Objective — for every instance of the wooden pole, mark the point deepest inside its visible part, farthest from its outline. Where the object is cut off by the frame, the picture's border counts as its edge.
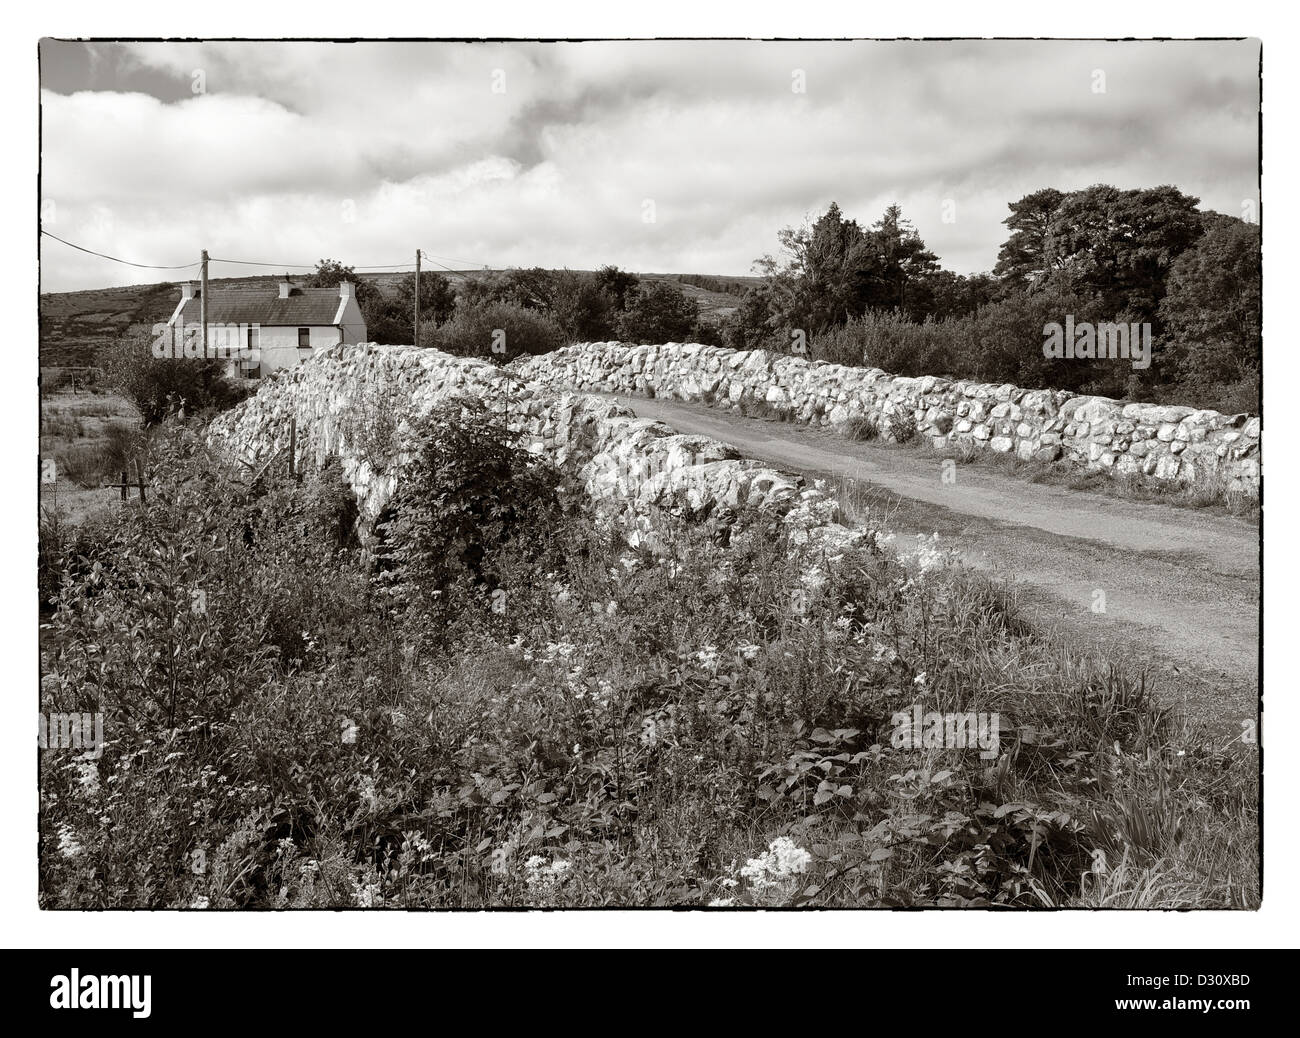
(293, 444)
(125, 483)
(203, 299)
(139, 476)
(417, 297)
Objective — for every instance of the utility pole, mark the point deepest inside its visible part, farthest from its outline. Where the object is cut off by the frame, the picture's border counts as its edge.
(417, 297)
(203, 300)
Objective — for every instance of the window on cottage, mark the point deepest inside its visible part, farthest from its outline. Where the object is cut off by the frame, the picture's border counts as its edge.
(252, 364)
(304, 338)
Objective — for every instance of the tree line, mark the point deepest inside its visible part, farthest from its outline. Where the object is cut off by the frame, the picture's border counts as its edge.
(538, 310)
(878, 296)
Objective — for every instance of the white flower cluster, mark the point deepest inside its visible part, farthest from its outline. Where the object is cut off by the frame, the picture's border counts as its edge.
(926, 556)
(782, 860)
(68, 845)
(87, 773)
(545, 879)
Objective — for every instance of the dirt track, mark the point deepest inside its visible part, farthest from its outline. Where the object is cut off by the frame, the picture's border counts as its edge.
(1181, 585)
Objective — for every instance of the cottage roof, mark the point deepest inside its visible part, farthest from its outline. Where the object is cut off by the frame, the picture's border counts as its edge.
(303, 306)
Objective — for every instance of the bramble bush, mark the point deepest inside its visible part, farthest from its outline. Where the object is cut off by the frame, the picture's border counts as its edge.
(591, 724)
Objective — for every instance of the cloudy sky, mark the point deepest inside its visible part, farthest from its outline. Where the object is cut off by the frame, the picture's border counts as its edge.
(656, 156)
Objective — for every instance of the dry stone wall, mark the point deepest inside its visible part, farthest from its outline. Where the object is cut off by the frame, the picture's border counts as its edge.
(1177, 445)
(359, 402)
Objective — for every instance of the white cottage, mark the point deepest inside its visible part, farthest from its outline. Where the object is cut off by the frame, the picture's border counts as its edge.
(261, 331)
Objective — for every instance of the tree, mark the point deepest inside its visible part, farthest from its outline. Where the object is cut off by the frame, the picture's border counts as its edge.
(161, 386)
(391, 320)
(1027, 255)
(329, 273)
(1211, 309)
(1115, 245)
(943, 294)
(835, 271)
(901, 261)
(618, 283)
(586, 310)
(659, 312)
(753, 324)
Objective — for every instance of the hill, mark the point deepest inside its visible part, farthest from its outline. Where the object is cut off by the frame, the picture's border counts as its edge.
(75, 325)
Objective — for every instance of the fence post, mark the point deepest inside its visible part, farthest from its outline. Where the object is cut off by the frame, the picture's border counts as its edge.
(126, 482)
(139, 475)
(293, 445)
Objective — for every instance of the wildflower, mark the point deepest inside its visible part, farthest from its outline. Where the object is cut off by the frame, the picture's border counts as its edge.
(919, 679)
(365, 895)
(349, 730)
(722, 902)
(708, 656)
(201, 901)
(544, 880)
(748, 650)
(87, 773)
(782, 860)
(68, 845)
(369, 796)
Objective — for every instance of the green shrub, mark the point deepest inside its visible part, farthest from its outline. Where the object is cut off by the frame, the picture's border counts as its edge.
(498, 331)
(659, 312)
(161, 386)
(470, 491)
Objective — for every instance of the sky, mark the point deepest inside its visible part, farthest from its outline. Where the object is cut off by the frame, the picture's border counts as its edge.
(663, 156)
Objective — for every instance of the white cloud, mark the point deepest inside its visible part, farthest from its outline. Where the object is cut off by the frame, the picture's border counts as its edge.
(555, 170)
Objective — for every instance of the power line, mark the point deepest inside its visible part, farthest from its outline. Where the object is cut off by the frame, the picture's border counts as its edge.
(454, 259)
(306, 266)
(115, 259)
(256, 263)
(453, 270)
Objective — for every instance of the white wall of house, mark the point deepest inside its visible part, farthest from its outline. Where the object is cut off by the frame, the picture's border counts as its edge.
(354, 325)
(279, 345)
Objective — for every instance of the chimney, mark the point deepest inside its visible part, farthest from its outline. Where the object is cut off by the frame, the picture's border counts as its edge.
(286, 287)
(188, 290)
(345, 289)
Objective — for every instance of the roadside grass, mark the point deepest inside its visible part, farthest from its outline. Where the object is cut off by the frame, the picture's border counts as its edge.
(1208, 492)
